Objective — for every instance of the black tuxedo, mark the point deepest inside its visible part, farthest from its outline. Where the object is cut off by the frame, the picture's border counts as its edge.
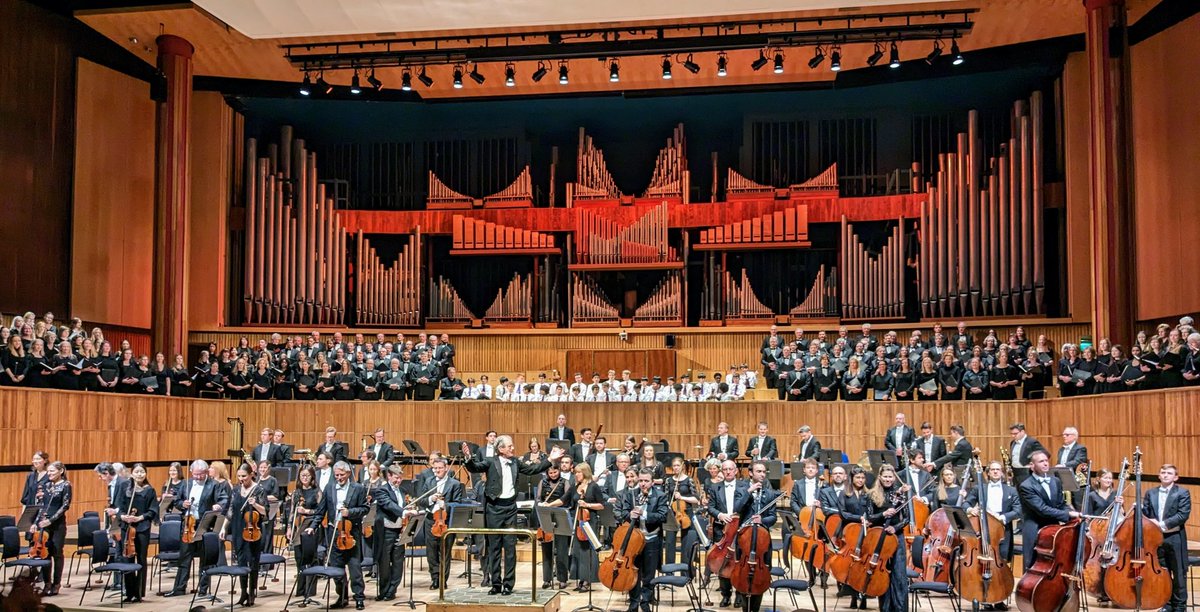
(731, 448)
(907, 435)
(799, 497)
(1010, 511)
(567, 434)
(744, 505)
(937, 447)
(211, 495)
(390, 507)
(1039, 510)
(452, 493)
(385, 455)
(1027, 449)
(770, 450)
(919, 488)
(610, 485)
(957, 457)
(274, 455)
(502, 512)
(1072, 459)
(600, 464)
(340, 451)
(356, 503)
(811, 449)
(651, 522)
(1173, 552)
(577, 452)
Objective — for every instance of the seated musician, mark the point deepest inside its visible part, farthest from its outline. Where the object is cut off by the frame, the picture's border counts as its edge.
(644, 507)
(1042, 504)
(1003, 502)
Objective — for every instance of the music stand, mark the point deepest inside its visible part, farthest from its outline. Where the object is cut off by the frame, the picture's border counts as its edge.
(961, 522)
(666, 458)
(1021, 474)
(407, 536)
(880, 457)
(828, 457)
(606, 519)
(774, 471)
(413, 447)
(552, 443)
(25, 522)
(1067, 477)
(466, 516)
(525, 483)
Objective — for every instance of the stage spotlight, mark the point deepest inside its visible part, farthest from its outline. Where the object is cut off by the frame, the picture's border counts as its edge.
(875, 56)
(894, 62)
(722, 65)
(817, 58)
(935, 53)
(835, 60)
(377, 85)
(323, 86)
(540, 73)
(955, 53)
(778, 61)
(475, 76)
(562, 73)
(406, 81)
(306, 85)
(614, 72)
(666, 71)
(458, 77)
(355, 84)
(424, 78)
(691, 66)
(510, 75)
(760, 62)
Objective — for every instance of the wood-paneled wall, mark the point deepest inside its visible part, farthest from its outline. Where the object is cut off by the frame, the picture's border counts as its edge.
(213, 175)
(708, 350)
(83, 428)
(113, 218)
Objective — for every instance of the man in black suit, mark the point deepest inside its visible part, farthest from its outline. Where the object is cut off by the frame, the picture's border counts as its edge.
(581, 452)
(599, 459)
(446, 490)
(1042, 504)
(756, 509)
(110, 475)
(762, 446)
(267, 450)
(645, 507)
(390, 502)
(560, 431)
(774, 334)
(1021, 450)
(1072, 453)
(615, 483)
(337, 450)
(345, 500)
(197, 496)
(807, 490)
(1169, 506)
(1003, 502)
(933, 447)
(866, 337)
(500, 503)
(385, 453)
(723, 445)
(900, 437)
(423, 378)
(285, 450)
(958, 455)
(809, 445)
(725, 501)
(916, 476)
(831, 495)
(451, 386)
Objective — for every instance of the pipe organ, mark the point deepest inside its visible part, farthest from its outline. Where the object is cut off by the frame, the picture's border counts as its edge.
(665, 304)
(592, 179)
(512, 303)
(445, 305)
(589, 306)
(739, 187)
(388, 295)
(981, 225)
(741, 303)
(603, 241)
(478, 237)
(872, 287)
(295, 243)
(671, 178)
(782, 229)
(519, 194)
(821, 300)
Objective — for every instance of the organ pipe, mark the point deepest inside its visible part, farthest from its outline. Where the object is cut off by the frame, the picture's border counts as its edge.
(873, 286)
(389, 294)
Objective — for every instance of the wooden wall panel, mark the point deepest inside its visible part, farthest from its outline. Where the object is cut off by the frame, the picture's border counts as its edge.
(212, 148)
(80, 428)
(1165, 148)
(113, 218)
(1075, 135)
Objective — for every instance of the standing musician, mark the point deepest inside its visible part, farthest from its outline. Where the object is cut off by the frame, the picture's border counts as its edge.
(601, 461)
(723, 446)
(762, 446)
(36, 478)
(1169, 506)
(267, 451)
(853, 506)
(808, 491)
(900, 437)
(1102, 495)
(555, 492)
(888, 509)
(959, 454)
(392, 506)
(1003, 502)
(138, 506)
(1072, 452)
(385, 453)
(933, 447)
(680, 488)
(248, 497)
(560, 431)
(646, 508)
(304, 503)
(809, 444)
(725, 498)
(915, 477)
(582, 451)
(1021, 451)
(344, 500)
(446, 490)
(54, 499)
(500, 504)
(198, 495)
(337, 450)
(757, 510)
(1042, 504)
(587, 496)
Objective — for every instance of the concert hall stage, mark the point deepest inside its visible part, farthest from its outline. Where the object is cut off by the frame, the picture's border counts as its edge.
(478, 600)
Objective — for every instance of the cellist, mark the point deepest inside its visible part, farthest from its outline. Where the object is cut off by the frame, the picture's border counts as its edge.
(807, 492)
(853, 505)
(646, 507)
(1003, 502)
(725, 498)
(888, 509)
(757, 510)
(1169, 506)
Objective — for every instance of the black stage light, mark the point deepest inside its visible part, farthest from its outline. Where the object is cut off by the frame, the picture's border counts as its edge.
(894, 62)
(475, 76)
(424, 78)
(306, 85)
(760, 62)
(817, 58)
(722, 65)
(691, 66)
(540, 73)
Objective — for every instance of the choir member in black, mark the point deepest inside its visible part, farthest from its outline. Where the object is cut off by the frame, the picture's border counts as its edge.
(770, 354)
(248, 498)
(198, 495)
(854, 382)
(1191, 361)
(306, 382)
(554, 491)
(161, 372)
(447, 490)
(423, 378)
(1091, 365)
(590, 497)
(127, 367)
(345, 381)
(904, 381)
(949, 377)
(284, 380)
(345, 500)
(926, 374)
(392, 508)
(303, 504)
(89, 375)
(1003, 502)
(784, 366)
(1116, 366)
(645, 508)
(41, 369)
(1068, 385)
(1042, 504)
(270, 487)
(54, 499)
(262, 380)
(451, 387)
(882, 382)
(240, 381)
(137, 504)
(975, 380)
(36, 478)
(369, 385)
(796, 385)
(681, 488)
(67, 367)
(1102, 496)
(825, 381)
(1169, 506)
(14, 363)
(181, 379)
(1003, 378)
(212, 383)
(394, 381)
(1172, 360)
(500, 506)
(325, 381)
(887, 510)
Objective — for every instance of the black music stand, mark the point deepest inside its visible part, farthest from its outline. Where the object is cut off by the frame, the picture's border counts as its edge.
(880, 457)
(413, 447)
(1020, 474)
(774, 471)
(666, 458)
(828, 457)
(525, 484)
(407, 536)
(607, 521)
(1067, 477)
(467, 516)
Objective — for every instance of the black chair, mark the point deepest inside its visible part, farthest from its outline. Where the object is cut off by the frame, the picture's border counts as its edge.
(679, 575)
(211, 549)
(918, 587)
(98, 565)
(90, 514)
(170, 544)
(85, 526)
(792, 587)
(268, 561)
(318, 572)
(7, 520)
(12, 554)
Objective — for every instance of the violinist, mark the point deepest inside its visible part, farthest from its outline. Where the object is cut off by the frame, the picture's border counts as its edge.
(392, 505)
(588, 497)
(916, 477)
(304, 502)
(174, 480)
(1003, 502)
(242, 521)
(1042, 504)
(888, 509)
(555, 492)
(54, 498)
(645, 507)
(345, 500)
(138, 506)
(197, 495)
(682, 492)
(270, 488)
(446, 490)
(1169, 506)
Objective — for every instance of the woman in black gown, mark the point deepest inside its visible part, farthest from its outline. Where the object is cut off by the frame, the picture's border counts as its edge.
(854, 506)
(1004, 378)
(888, 510)
(905, 381)
(975, 380)
(13, 363)
(248, 497)
(54, 499)
(586, 496)
(854, 382)
(137, 504)
(262, 380)
(949, 377)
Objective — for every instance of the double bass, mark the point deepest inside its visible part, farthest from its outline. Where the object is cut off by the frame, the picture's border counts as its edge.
(1104, 547)
(1054, 582)
(984, 577)
(1136, 579)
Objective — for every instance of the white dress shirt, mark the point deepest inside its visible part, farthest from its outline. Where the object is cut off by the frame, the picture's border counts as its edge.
(730, 489)
(508, 488)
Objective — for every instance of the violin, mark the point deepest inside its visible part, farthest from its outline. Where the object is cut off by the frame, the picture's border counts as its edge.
(440, 525)
(750, 573)
(617, 571)
(1102, 532)
(937, 555)
(983, 574)
(251, 517)
(582, 515)
(38, 540)
(344, 539)
(189, 529)
(680, 508)
(1052, 583)
(1136, 579)
(294, 528)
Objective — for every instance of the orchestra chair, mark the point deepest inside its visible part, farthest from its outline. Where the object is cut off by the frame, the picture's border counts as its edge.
(791, 586)
(211, 550)
(317, 572)
(12, 554)
(679, 575)
(170, 542)
(1193, 564)
(85, 526)
(917, 587)
(98, 565)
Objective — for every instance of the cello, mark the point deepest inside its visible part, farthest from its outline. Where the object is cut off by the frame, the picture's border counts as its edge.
(1053, 582)
(1104, 549)
(1136, 579)
(750, 573)
(806, 543)
(984, 577)
(937, 555)
(617, 571)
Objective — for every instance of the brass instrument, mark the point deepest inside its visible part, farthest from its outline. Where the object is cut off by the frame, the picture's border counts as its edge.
(1081, 478)
(1007, 461)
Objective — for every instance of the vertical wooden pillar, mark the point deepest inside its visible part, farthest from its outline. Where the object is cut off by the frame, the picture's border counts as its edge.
(173, 198)
(1111, 170)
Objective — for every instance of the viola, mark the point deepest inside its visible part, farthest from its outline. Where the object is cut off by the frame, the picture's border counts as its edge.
(806, 543)
(983, 574)
(581, 517)
(440, 526)
(937, 555)
(1102, 532)
(680, 508)
(37, 545)
(251, 530)
(1136, 579)
(1052, 583)
(749, 572)
(344, 538)
(130, 549)
(617, 571)
(189, 529)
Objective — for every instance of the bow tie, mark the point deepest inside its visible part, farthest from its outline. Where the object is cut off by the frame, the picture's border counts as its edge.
(1043, 479)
